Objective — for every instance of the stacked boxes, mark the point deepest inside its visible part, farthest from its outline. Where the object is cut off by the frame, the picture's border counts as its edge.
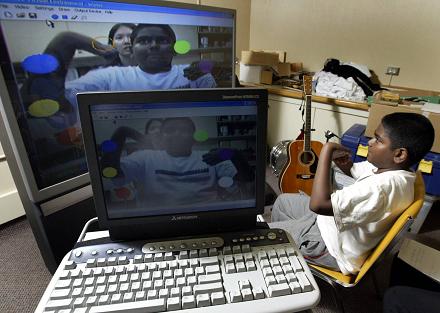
(355, 140)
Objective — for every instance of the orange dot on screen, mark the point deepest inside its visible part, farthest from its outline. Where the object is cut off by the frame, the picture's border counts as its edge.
(123, 193)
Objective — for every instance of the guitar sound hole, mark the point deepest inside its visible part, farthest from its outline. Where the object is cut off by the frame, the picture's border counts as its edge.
(307, 157)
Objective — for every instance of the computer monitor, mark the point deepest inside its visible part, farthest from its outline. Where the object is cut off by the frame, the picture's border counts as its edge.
(176, 162)
(51, 50)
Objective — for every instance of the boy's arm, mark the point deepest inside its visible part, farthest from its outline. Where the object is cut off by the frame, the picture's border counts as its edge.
(320, 202)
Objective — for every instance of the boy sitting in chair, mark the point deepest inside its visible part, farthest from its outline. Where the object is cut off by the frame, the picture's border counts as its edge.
(338, 229)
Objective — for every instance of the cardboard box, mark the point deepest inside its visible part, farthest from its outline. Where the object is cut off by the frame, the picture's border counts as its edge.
(377, 111)
(423, 255)
(281, 55)
(259, 58)
(266, 77)
(282, 69)
(296, 67)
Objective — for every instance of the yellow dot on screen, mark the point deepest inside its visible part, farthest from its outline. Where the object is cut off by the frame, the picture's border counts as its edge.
(182, 46)
(44, 108)
(109, 172)
(201, 135)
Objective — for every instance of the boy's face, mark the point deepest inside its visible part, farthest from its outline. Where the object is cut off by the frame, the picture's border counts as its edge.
(177, 137)
(153, 49)
(380, 153)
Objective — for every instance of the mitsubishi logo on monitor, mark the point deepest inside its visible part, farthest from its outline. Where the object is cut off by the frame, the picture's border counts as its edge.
(184, 217)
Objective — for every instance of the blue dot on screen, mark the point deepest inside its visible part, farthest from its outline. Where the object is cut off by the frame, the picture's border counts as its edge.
(109, 146)
(40, 63)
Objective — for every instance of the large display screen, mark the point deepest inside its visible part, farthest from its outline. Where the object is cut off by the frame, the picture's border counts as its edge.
(177, 157)
(51, 50)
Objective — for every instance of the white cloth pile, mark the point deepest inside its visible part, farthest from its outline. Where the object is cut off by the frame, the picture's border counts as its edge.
(331, 85)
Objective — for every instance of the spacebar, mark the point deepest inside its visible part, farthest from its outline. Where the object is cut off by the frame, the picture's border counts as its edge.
(147, 306)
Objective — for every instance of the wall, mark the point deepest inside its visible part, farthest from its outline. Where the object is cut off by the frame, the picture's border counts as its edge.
(10, 203)
(377, 33)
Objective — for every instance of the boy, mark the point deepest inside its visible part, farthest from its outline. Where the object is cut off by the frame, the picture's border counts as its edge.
(338, 229)
(153, 51)
(178, 174)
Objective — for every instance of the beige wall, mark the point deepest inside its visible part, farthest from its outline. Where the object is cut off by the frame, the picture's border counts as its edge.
(377, 33)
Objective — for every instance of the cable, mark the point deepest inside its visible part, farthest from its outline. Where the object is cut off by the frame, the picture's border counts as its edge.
(391, 78)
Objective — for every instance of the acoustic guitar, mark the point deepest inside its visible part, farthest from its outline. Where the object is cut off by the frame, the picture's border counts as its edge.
(302, 155)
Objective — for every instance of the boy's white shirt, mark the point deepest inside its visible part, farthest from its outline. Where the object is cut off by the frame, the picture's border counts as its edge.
(364, 212)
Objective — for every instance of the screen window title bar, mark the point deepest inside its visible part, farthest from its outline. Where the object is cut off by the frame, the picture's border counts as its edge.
(100, 11)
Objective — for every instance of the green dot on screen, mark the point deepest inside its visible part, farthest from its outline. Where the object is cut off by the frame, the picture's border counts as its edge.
(109, 172)
(182, 46)
(201, 135)
(44, 108)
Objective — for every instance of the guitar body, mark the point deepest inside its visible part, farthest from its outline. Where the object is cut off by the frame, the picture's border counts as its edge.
(300, 168)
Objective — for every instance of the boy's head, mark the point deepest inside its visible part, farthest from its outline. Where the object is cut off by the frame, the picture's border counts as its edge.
(153, 47)
(177, 135)
(401, 140)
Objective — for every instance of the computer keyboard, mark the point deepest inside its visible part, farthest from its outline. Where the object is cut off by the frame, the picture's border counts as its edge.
(256, 271)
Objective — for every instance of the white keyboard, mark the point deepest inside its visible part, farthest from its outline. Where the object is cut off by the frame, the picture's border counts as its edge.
(258, 271)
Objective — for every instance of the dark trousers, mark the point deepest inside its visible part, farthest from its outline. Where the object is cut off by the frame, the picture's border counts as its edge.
(404, 299)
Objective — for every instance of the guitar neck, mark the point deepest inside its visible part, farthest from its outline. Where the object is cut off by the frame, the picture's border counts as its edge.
(308, 124)
(307, 82)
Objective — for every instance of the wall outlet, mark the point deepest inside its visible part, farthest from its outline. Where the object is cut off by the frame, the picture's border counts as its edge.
(393, 70)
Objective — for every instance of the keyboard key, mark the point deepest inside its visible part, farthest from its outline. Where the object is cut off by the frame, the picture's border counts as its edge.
(295, 287)
(212, 269)
(250, 266)
(244, 284)
(212, 252)
(203, 253)
(212, 260)
(173, 304)
(147, 306)
(207, 288)
(227, 250)
(188, 302)
(70, 265)
(279, 290)
(304, 281)
(235, 296)
(203, 300)
(59, 304)
(258, 293)
(183, 255)
(218, 298)
(247, 294)
(240, 267)
(207, 279)
(294, 262)
(230, 268)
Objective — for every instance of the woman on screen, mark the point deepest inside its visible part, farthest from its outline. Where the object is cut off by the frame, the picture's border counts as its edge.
(119, 38)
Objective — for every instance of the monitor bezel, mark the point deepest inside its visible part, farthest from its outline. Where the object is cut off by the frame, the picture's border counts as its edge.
(176, 224)
(18, 151)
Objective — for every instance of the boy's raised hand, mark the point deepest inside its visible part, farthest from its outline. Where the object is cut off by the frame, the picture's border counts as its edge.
(341, 156)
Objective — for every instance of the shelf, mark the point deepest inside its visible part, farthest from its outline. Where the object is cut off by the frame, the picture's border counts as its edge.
(215, 33)
(236, 122)
(229, 138)
(210, 49)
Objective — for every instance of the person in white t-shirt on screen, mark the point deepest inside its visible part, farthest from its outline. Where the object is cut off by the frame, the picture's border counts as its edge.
(338, 229)
(153, 52)
(176, 174)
